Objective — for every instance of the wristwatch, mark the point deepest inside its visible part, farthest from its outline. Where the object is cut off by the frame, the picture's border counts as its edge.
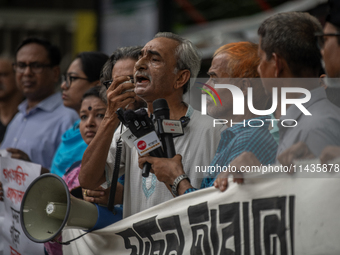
(174, 186)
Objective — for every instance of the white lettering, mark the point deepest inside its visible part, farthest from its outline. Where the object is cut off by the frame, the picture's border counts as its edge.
(255, 120)
(289, 120)
(220, 122)
(297, 101)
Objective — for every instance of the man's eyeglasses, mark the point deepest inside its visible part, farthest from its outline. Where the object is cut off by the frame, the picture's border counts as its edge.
(107, 84)
(35, 67)
(321, 38)
(68, 79)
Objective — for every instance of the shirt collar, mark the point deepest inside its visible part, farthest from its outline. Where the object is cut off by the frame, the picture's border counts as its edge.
(48, 104)
(190, 111)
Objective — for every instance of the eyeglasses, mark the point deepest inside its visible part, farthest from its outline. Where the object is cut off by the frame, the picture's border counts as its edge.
(321, 39)
(107, 84)
(35, 67)
(68, 79)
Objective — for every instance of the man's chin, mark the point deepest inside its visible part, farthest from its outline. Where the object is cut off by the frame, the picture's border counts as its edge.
(141, 91)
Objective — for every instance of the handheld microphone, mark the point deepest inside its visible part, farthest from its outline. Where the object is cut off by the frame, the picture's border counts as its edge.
(141, 125)
(161, 111)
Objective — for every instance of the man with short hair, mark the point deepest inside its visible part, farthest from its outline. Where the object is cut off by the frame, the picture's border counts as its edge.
(121, 63)
(292, 53)
(329, 42)
(163, 70)
(10, 98)
(10, 95)
(35, 132)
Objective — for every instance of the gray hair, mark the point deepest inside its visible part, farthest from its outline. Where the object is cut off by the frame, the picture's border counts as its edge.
(291, 35)
(102, 94)
(131, 52)
(187, 56)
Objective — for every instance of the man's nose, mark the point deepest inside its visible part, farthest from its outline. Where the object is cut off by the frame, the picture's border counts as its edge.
(28, 70)
(141, 64)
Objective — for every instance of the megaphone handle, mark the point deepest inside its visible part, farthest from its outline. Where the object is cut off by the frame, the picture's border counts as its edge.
(146, 169)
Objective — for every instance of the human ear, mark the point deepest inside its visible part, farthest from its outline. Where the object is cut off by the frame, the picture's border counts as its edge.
(245, 84)
(182, 78)
(278, 63)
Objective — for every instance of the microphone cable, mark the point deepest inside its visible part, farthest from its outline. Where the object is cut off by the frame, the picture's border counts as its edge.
(119, 147)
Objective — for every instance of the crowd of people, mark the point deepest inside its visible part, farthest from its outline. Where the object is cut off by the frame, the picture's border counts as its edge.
(75, 134)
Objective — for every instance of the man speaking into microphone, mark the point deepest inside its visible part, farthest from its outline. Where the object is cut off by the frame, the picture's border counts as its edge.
(163, 70)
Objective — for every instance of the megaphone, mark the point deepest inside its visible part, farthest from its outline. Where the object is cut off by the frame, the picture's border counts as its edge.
(47, 208)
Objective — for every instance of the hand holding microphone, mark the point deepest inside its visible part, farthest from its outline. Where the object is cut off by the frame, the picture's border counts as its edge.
(142, 127)
(166, 170)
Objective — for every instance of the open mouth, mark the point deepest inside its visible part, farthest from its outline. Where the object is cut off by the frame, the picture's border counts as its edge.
(142, 79)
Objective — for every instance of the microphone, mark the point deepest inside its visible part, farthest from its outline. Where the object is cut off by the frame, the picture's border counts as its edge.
(141, 125)
(161, 112)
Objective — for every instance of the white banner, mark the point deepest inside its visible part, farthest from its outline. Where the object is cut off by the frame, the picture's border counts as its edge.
(263, 216)
(16, 176)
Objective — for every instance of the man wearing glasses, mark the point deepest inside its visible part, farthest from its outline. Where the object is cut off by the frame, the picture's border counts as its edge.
(10, 95)
(329, 44)
(35, 132)
(329, 41)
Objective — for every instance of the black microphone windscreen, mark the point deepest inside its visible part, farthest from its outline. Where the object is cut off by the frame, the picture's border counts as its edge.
(161, 109)
(141, 113)
(130, 115)
(160, 104)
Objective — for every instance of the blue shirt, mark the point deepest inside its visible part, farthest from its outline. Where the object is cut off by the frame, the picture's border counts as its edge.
(240, 138)
(38, 132)
(70, 149)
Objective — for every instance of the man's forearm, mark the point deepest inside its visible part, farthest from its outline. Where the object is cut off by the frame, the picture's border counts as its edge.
(92, 173)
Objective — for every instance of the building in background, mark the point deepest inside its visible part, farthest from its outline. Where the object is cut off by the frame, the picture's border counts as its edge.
(86, 25)
(70, 24)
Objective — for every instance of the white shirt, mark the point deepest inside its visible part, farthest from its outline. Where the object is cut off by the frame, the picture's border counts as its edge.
(197, 147)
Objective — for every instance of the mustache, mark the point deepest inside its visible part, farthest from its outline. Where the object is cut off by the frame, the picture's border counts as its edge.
(145, 74)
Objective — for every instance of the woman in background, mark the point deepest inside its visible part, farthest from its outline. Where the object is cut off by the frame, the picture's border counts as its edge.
(82, 74)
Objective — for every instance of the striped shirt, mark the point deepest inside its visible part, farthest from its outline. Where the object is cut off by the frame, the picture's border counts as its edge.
(239, 138)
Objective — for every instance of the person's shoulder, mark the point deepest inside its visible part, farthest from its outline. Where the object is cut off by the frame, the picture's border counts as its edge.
(323, 112)
(202, 121)
(204, 125)
(197, 116)
(67, 113)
